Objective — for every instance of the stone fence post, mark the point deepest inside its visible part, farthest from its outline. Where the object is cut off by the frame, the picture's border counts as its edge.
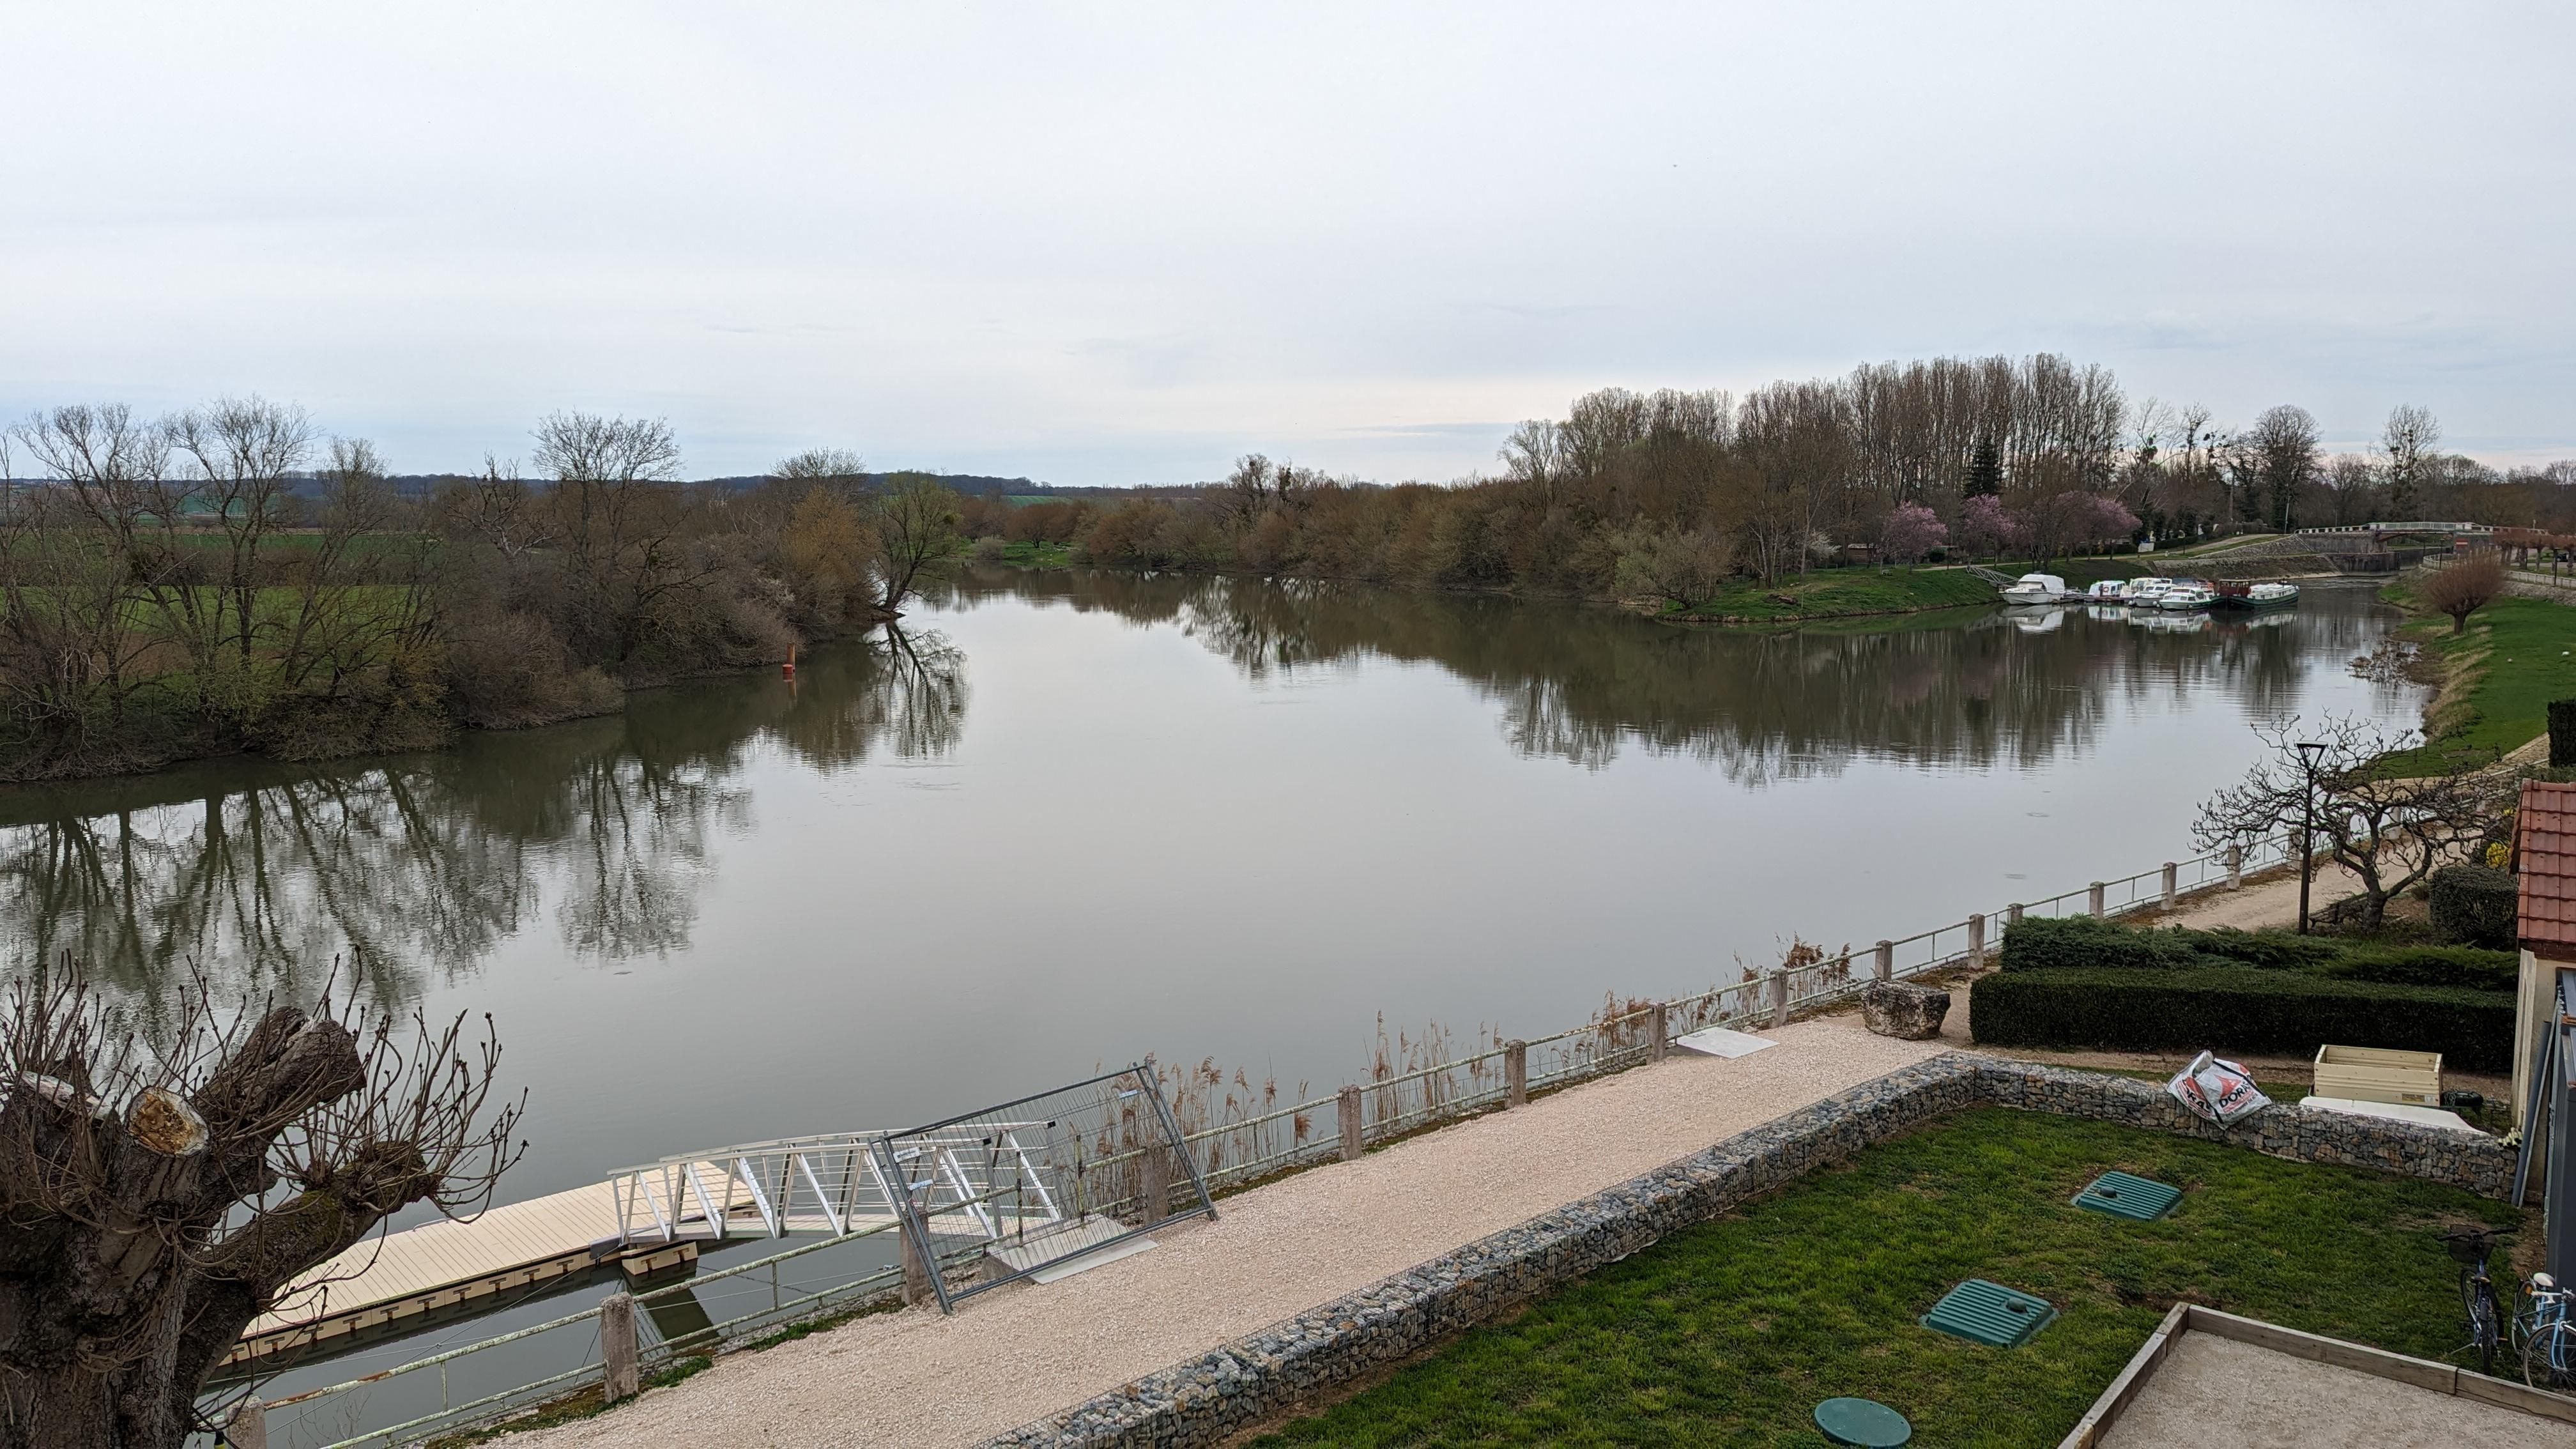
(2012, 915)
(1779, 998)
(248, 1426)
(1350, 1108)
(2096, 906)
(1977, 941)
(1659, 1032)
(1516, 1074)
(917, 1288)
(1155, 1187)
(620, 1376)
(2235, 866)
(2173, 883)
(1884, 968)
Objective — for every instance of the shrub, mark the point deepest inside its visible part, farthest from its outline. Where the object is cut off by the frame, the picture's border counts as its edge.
(2083, 943)
(2241, 1008)
(2042, 943)
(2475, 906)
(2430, 966)
(2277, 950)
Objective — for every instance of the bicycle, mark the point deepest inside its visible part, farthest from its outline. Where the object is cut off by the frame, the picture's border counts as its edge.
(2548, 1335)
(2469, 1247)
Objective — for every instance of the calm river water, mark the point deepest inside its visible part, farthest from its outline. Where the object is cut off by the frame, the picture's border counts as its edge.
(1072, 819)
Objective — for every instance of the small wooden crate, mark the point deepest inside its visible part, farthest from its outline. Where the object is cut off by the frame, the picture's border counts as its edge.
(2380, 1074)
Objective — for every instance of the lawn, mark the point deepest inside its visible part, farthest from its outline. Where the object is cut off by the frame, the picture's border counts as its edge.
(1038, 554)
(1843, 593)
(1730, 1333)
(2518, 655)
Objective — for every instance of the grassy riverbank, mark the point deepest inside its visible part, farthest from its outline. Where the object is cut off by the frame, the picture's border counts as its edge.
(2497, 678)
(1731, 1332)
(1841, 594)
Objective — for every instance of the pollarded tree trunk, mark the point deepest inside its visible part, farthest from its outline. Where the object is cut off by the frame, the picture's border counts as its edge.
(136, 1244)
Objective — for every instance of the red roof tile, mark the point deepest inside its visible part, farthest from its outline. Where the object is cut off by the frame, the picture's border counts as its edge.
(2544, 844)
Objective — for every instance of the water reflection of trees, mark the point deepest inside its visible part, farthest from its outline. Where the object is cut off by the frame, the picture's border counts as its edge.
(418, 867)
(1580, 683)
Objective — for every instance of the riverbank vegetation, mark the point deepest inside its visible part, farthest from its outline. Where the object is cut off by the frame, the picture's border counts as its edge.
(229, 579)
(1840, 593)
(1732, 1331)
(1677, 498)
(2498, 675)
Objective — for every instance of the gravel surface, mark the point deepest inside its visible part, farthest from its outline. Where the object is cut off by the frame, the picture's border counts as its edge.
(2212, 1391)
(1012, 1355)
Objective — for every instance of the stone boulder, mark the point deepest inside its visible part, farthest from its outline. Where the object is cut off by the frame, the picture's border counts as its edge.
(1903, 1010)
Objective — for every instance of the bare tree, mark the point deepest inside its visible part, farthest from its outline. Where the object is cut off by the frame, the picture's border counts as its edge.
(2409, 440)
(2464, 586)
(914, 520)
(837, 466)
(2389, 832)
(623, 527)
(2283, 458)
(161, 1193)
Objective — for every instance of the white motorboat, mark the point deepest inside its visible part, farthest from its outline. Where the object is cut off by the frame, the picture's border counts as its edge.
(2146, 590)
(2106, 591)
(2186, 594)
(2036, 589)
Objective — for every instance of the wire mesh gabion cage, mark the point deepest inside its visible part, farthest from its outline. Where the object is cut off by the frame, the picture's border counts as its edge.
(1040, 1181)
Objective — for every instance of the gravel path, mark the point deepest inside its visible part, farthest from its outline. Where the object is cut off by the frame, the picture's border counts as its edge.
(1013, 1355)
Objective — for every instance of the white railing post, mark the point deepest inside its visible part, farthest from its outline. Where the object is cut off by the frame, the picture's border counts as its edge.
(2173, 883)
(1884, 968)
(1977, 942)
(2012, 915)
(2096, 899)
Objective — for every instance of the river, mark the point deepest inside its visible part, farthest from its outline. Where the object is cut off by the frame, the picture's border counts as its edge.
(1068, 819)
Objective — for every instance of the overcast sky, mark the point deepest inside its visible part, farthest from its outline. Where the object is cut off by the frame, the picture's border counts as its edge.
(1113, 245)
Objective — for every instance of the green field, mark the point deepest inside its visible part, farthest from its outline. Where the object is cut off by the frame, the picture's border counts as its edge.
(1038, 555)
(1842, 593)
(2517, 655)
(1731, 1332)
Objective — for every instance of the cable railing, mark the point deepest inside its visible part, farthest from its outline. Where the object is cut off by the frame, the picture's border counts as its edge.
(728, 1307)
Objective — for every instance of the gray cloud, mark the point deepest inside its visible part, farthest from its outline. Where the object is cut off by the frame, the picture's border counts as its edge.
(1108, 248)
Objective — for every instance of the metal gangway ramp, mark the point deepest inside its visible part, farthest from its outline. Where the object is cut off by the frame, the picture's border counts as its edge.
(981, 1182)
(1078, 1172)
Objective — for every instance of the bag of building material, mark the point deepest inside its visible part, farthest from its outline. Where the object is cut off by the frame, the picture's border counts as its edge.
(2217, 1091)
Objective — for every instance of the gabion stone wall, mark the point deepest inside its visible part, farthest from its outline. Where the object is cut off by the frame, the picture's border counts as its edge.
(1206, 1399)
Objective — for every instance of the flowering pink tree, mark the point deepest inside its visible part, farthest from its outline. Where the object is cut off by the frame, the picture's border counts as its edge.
(1987, 527)
(2112, 521)
(1911, 531)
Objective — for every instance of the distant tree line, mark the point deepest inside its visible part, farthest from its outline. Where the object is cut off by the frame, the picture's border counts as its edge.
(231, 578)
(1669, 494)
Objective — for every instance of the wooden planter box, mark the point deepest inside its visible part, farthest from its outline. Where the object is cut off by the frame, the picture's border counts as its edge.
(2379, 1074)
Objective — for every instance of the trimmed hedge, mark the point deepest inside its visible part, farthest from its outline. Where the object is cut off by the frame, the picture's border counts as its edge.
(2476, 905)
(2059, 943)
(2240, 1008)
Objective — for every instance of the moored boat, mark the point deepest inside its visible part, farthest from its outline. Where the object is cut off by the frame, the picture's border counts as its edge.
(2185, 594)
(2255, 596)
(2035, 589)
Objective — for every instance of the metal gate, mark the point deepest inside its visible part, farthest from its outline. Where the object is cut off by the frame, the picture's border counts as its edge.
(1044, 1180)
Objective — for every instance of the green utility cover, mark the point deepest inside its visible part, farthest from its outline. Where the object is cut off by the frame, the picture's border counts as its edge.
(2124, 1195)
(1989, 1313)
(1863, 1423)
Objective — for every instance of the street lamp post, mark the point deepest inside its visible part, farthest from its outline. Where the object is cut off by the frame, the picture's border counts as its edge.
(2308, 752)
